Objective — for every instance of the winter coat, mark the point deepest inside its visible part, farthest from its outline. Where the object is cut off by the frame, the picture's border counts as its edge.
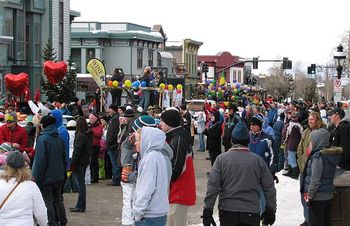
(97, 131)
(112, 133)
(18, 135)
(151, 193)
(291, 135)
(24, 203)
(213, 134)
(278, 128)
(82, 149)
(230, 124)
(228, 180)
(317, 178)
(301, 150)
(200, 124)
(341, 138)
(183, 181)
(272, 116)
(62, 131)
(49, 166)
(264, 146)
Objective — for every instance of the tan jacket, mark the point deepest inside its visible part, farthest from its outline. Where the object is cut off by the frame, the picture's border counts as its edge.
(301, 151)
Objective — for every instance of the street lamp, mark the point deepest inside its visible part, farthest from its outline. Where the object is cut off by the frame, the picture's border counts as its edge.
(339, 59)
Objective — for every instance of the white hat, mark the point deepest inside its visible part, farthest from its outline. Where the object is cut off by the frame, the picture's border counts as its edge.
(72, 123)
(139, 109)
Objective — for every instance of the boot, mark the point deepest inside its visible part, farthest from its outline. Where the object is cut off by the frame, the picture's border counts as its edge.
(289, 171)
(295, 173)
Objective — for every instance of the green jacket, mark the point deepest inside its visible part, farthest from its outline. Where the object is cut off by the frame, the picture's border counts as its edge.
(301, 151)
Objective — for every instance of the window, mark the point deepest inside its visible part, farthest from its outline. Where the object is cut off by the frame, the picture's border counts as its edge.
(8, 30)
(76, 58)
(159, 60)
(90, 53)
(60, 34)
(139, 58)
(27, 41)
(20, 38)
(239, 76)
(234, 77)
(37, 35)
(150, 57)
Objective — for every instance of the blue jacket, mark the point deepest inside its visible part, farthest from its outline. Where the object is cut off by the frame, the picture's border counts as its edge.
(263, 145)
(49, 166)
(62, 131)
(277, 128)
(272, 116)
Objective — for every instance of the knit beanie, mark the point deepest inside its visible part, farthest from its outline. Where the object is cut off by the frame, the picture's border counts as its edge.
(171, 117)
(47, 120)
(240, 132)
(319, 139)
(144, 120)
(6, 147)
(129, 113)
(257, 120)
(15, 160)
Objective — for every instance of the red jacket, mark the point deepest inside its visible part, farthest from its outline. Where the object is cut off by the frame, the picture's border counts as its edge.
(183, 189)
(18, 135)
(97, 130)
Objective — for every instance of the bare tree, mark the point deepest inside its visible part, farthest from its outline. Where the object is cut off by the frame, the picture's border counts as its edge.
(279, 84)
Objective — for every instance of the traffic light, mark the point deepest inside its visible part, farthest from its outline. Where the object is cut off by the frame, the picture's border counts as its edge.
(312, 69)
(255, 63)
(287, 64)
(204, 68)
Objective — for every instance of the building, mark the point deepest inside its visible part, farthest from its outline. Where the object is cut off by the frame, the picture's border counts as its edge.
(186, 55)
(126, 45)
(222, 62)
(25, 28)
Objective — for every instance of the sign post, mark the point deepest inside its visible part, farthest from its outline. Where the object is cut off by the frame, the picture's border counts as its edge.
(337, 90)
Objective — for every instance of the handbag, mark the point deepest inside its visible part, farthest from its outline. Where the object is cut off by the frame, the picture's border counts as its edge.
(8, 196)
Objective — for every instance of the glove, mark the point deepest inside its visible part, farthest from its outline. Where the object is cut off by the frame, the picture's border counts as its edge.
(307, 198)
(208, 217)
(268, 217)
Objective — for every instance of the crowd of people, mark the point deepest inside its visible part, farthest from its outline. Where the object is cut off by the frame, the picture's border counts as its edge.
(150, 155)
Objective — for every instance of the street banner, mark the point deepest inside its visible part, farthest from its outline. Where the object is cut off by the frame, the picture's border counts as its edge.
(96, 68)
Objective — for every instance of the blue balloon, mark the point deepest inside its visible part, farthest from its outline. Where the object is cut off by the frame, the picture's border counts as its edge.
(135, 84)
(143, 84)
(234, 80)
(238, 86)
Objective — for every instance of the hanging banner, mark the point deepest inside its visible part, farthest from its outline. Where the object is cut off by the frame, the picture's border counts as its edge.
(96, 68)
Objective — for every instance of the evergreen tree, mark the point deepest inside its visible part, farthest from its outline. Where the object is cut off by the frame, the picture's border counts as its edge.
(64, 91)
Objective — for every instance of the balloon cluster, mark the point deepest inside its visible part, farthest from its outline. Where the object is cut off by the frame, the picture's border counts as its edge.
(115, 84)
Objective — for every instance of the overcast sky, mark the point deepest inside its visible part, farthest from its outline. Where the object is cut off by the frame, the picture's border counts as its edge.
(303, 30)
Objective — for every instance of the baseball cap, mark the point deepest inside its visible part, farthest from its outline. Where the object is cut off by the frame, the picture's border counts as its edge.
(339, 112)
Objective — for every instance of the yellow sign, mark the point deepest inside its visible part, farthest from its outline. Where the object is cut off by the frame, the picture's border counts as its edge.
(96, 68)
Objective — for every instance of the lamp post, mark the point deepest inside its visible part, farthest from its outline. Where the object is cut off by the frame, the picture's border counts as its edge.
(339, 59)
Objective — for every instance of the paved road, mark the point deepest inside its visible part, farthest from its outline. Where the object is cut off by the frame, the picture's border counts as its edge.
(104, 203)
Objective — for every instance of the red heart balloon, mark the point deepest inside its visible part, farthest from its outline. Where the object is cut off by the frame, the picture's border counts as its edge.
(55, 72)
(17, 84)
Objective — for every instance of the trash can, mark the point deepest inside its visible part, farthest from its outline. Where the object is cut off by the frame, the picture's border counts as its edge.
(341, 201)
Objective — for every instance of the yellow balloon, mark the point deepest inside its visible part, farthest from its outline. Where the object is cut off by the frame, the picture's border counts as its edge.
(162, 85)
(127, 83)
(115, 83)
(179, 86)
(170, 87)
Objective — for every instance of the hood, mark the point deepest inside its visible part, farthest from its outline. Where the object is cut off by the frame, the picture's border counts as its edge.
(58, 116)
(332, 151)
(51, 130)
(151, 139)
(167, 151)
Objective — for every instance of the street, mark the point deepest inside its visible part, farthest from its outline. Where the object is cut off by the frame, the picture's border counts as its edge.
(104, 203)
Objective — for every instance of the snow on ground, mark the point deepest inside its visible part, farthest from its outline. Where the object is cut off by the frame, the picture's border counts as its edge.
(289, 208)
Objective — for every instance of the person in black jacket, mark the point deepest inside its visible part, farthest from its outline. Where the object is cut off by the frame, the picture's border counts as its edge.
(49, 169)
(80, 160)
(112, 144)
(118, 75)
(213, 134)
(230, 123)
(340, 138)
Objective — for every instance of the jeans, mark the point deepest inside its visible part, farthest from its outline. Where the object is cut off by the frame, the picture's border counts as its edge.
(53, 200)
(117, 96)
(154, 221)
(145, 99)
(305, 208)
(262, 200)
(79, 177)
(292, 158)
(201, 142)
(94, 163)
(228, 218)
(116, 171)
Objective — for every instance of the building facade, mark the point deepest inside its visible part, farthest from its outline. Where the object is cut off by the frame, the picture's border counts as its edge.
(25, 28)
(125, 45)
(223, 61)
